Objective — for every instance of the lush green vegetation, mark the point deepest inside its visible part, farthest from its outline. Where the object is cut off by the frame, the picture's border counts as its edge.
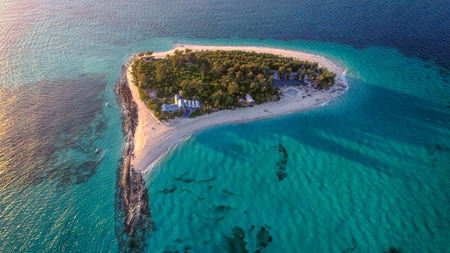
(218, 78)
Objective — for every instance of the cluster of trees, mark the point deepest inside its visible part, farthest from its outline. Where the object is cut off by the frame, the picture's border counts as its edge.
(219, 78)
(326, 79)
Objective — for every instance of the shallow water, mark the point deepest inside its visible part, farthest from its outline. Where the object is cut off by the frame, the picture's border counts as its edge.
(368, 171)
(371, 169)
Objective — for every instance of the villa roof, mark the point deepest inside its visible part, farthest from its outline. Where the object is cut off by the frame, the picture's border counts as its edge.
(186, 103)
(169, 108)
(248, 99)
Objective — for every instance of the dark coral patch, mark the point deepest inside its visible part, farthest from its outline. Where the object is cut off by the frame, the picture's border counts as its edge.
(171, 190)
(352, 248)
(281, 175)
(236, 244)
(282, 163)
(206, 180)
(183, 179)
(264, 238)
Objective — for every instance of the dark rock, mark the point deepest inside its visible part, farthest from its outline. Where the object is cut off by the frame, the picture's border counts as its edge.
(185, 180)
(264, 238)
(282, 163)
(222, 208)
(171, 190)
(392, 250)
(188, 180)
(187, 249)
(282, 150)
(229, 192)
(180, 177)
(352, 248)
(281, 175)
(236, 244)
(206, 180)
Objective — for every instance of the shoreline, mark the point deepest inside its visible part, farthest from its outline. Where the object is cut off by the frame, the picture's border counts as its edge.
(153, 139)
(131, 197)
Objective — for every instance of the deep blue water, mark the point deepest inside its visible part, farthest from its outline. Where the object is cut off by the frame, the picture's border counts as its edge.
(368, 172)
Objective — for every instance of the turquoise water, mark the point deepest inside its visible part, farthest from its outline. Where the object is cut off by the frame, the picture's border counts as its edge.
(368, 171)
(372, 165)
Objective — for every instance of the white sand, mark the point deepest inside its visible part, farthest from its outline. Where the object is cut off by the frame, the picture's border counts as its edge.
(153, 139)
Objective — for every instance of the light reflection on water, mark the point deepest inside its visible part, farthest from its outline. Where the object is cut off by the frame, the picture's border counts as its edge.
(39, 120)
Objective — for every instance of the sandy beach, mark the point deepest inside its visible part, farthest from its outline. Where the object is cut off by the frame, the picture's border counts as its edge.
(154, 138)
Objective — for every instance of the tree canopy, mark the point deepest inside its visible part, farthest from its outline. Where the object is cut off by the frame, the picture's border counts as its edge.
(219, 78)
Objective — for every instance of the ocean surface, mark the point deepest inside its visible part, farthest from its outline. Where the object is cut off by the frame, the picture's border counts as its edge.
(369, 171)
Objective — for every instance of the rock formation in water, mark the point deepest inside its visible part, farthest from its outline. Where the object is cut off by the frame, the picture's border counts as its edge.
(281, 173)
(236, 244)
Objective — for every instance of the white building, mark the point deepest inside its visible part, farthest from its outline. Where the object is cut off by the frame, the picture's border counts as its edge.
(185, 103)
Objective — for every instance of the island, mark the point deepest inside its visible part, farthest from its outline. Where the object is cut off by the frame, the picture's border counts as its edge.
(219, 85)
(192, 83)
(168, 96)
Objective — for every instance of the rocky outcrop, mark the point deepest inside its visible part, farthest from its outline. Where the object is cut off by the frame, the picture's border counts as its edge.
(133, 213)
